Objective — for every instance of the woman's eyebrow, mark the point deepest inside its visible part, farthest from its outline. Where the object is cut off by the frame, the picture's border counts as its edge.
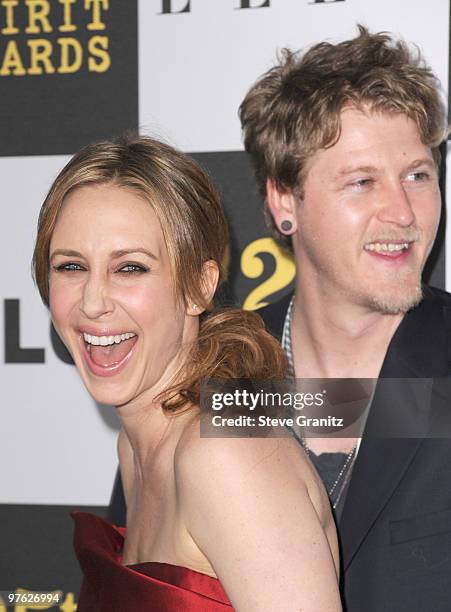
(113, 254)
(66, 252)
(122, 252)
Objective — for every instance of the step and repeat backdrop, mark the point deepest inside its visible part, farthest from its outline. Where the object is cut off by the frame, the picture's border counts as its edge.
(74, 71)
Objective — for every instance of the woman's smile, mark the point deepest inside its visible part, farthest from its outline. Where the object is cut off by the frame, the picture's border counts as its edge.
(107, 355)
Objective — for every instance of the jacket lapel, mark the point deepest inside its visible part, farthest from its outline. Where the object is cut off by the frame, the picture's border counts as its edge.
(379, 467)
(418, 349)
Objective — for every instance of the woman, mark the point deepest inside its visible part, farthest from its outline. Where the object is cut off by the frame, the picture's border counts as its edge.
(129, 252)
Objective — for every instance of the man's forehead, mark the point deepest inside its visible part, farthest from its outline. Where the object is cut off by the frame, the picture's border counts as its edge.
(363, 126)
(371, 139)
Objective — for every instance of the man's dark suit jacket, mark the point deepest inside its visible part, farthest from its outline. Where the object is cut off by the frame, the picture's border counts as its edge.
(395, 529)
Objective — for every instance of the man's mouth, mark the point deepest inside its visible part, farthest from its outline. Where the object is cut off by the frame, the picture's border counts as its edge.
(387, 248)
(383, 247)
(108, 351)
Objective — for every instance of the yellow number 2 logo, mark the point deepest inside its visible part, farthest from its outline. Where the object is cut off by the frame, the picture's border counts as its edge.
(252, 266)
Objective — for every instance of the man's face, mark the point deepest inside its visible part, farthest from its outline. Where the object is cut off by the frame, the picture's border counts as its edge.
(369, 214)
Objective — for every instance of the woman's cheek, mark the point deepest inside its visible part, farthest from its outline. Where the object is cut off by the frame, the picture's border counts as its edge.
(146, 303)
(60, 304)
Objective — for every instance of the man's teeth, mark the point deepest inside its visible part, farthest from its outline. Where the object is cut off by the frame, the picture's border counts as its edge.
(386, 246)
(107, 340)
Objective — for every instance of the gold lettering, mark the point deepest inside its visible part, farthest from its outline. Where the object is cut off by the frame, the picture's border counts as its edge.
(10, 5)
(67, 26)
(69, 604)
(97, 47)
(12, 63)
(66, 66)
(41, 50)
(38, 10)
(252, 267)
(97, 6)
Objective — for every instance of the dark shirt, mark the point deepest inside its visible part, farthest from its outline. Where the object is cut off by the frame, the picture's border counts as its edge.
(329, 466)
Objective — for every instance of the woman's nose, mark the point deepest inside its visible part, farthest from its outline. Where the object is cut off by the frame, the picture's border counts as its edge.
(96, 301)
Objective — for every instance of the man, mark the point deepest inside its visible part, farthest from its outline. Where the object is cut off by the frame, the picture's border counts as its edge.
(344, 141)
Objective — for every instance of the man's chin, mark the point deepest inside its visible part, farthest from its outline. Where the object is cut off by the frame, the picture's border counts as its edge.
(397, 302)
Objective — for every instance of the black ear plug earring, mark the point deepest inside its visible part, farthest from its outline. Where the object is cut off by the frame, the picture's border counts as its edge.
(286, 225)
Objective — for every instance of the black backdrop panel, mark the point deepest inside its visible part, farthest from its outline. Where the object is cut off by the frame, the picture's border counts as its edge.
(66, 79)
(435, 270)
(233, 175)
(37, 552)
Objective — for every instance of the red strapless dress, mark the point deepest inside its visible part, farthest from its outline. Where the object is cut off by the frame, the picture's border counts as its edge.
(109, 586)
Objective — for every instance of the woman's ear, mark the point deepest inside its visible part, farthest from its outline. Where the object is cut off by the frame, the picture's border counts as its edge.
(210, 278)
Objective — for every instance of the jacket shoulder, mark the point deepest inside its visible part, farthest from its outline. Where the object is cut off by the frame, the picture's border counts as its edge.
(438, 295)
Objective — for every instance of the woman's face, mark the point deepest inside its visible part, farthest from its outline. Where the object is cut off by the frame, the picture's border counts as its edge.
(111, 294)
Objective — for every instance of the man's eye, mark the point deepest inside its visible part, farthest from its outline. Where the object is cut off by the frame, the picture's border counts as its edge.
(362, 183)
(417, 177)
(132, 269)
(68, 267)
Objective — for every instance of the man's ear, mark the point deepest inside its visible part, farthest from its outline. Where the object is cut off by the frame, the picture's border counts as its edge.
(282, 205)
(210, 278)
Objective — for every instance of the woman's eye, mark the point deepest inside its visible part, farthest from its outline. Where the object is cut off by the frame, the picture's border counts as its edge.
(132, 269)
(68, 267)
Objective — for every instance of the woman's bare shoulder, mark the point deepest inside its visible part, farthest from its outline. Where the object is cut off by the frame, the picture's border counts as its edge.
(237, 461)
(248, 505)
(196, 450)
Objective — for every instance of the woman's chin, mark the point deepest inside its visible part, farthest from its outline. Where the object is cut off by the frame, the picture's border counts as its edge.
(112, 390)
(112, 397)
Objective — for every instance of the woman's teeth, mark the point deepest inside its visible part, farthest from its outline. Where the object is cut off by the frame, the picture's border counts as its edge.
(106, 340)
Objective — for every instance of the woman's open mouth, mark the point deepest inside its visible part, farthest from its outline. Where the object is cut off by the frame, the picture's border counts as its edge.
(107, 355)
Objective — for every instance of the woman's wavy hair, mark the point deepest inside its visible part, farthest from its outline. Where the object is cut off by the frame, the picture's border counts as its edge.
(294, 109)
(231, 343)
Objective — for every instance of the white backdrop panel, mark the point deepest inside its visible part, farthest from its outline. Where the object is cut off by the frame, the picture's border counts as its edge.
(195, 68)
(57, 445)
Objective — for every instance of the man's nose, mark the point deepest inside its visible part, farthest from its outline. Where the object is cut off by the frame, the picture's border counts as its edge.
(96, 300)
(395, 206)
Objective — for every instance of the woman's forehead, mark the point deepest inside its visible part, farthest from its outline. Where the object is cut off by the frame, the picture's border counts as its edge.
(108, 215)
